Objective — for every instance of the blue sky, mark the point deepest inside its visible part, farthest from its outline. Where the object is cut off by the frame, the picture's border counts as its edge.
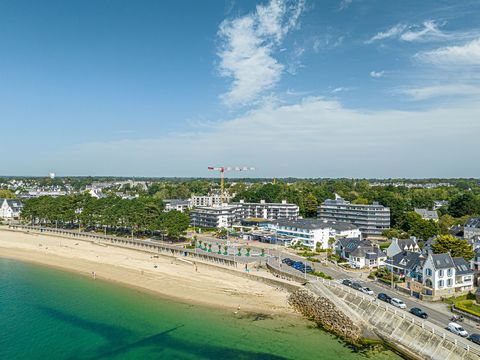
(340, 88)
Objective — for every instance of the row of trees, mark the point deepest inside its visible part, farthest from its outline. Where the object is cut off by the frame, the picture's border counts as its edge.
(143, 215)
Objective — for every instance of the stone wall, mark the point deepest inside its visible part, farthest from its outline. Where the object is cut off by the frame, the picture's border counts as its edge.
(325, 314)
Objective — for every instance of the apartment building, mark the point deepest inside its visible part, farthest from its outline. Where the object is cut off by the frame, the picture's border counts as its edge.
(270, 211)
(372, 220)
(214, 216)
(177, 204)
(313, 232)
(209, 200)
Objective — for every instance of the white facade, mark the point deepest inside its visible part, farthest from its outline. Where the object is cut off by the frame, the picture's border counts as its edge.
(363, 262)
(270, 211)
(209, 200)
(400, 245)
(313, 233)
(10, 209)
(214, 216)
(178, 205)
(439, 280)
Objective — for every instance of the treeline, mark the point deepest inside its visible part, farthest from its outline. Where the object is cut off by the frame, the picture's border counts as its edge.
(142, 216)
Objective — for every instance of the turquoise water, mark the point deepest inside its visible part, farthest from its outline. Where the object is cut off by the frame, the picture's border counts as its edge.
(50, 314)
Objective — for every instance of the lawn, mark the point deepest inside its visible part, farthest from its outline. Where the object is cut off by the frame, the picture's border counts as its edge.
(468, 306)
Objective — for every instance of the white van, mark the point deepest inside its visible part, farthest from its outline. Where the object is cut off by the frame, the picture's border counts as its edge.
(398, 303)
(457, 329)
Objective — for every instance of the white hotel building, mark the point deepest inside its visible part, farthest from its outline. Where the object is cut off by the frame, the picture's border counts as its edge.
(311, 232)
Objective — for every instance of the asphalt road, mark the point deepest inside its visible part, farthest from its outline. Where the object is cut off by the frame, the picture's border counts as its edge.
(276, 253)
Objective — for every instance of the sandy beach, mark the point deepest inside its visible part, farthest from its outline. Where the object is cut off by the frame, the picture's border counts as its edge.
(165, 276)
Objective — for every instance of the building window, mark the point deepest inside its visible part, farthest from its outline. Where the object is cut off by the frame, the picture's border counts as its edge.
(428, 272)
(440, 283)
(440, 273)
(449, 272)
(449, 282)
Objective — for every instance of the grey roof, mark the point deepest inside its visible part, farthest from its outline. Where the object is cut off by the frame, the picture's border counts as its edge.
(369, 252)
(407, 260)
(462, 267)
(407, 243)
(473, 223)
(456, 230)
(312, 224)
(351, 244)
(442, 261)
(427, 214)
(14, 204)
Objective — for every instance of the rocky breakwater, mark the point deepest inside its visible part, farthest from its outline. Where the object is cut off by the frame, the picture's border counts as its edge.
(326, 314)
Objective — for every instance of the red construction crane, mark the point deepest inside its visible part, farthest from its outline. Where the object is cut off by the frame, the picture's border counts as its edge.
(222, 170)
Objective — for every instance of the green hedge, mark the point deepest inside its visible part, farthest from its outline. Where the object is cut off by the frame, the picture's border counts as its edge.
(469, 306)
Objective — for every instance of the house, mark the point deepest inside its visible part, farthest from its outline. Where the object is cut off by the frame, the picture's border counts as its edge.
(463, 275)
(401, 245)
(437, 204)
(177, 204)
(427, 214)
(367, 257)
(471, 228)
(10, 209)
(457, 231)
(344, 246)
(405, 263)
(475, 265)
(440, 276)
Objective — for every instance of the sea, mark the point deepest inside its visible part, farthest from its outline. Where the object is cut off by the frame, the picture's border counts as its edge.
(51, 314)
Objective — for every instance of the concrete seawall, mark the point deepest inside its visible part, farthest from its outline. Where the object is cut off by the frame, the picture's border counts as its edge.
(412, 335)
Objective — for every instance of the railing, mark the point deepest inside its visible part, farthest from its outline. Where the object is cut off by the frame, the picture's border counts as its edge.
(144, 245)
(428, 326)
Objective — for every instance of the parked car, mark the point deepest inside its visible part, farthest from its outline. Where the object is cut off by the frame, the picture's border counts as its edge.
(367, 290)
(457, 329)
(398, 303)
(356, 286)
(384, 297)
(347, 282)
(475, 338)
(419, 312)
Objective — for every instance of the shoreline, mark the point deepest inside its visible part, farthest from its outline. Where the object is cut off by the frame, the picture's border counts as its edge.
(169, 278)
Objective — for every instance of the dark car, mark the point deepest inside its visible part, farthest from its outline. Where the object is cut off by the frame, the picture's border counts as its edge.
(384, 297)
(347, 282)
(287, 261)
(419, 312)
(474, 338)
(356, 286)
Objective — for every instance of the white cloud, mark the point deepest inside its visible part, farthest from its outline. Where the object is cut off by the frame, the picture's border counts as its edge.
(344, 4)
(377, 74)
(429, 31)
(247, 49)
(458, 55)
(311, 138)
(428, 92)
(341, 89)
(392, 32)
